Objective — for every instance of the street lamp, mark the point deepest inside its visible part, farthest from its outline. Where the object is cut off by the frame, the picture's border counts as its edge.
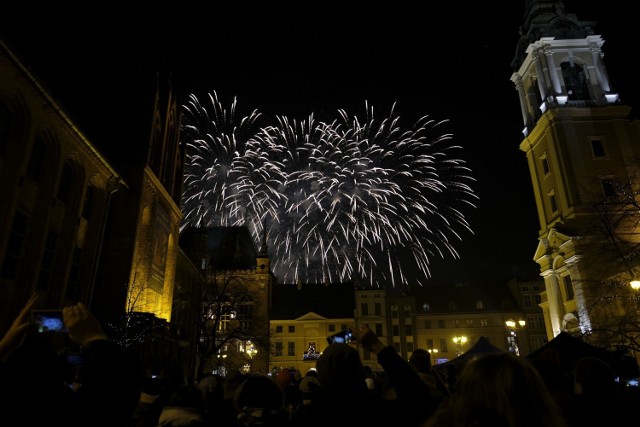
(460, 341)
(635, 284)
(512, 325)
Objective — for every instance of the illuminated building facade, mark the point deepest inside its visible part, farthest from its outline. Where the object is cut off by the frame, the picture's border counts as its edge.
(582, 147)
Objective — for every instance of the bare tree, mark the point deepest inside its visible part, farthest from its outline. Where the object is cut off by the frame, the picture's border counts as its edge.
(137, 323)
(232, 328)
(612, 246)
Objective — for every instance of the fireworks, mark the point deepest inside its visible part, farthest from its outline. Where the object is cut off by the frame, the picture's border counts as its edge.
(347, 200)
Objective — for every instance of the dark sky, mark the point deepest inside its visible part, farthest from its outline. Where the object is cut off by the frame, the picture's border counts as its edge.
(452, 63)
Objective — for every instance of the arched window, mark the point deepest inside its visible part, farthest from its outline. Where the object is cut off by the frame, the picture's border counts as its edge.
(35, 169)
(576, 81)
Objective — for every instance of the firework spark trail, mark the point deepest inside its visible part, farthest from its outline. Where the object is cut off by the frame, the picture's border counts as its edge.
(337, 197)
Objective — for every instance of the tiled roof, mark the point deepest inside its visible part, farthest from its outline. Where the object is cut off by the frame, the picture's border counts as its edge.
(465, 298)
(335, 300)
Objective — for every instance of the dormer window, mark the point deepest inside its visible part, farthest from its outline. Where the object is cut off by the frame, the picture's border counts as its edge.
(453, 305)
(479, 304)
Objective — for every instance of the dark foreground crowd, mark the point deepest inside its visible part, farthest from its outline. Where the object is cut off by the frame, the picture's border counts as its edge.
(40, 388)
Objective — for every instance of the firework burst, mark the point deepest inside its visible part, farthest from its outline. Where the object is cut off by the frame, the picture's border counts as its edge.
(344, 200)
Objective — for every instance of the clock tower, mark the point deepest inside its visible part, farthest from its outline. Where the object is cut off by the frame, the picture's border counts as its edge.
(582, 150)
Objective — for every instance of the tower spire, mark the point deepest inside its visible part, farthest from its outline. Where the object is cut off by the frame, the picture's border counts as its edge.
(263, 247)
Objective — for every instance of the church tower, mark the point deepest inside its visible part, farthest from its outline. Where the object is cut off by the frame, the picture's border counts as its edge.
(582, 150)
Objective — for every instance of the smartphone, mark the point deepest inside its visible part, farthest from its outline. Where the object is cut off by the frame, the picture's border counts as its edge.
(49, 321)
(340, 337)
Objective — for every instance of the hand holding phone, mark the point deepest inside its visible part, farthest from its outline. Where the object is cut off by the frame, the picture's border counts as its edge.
(49, 321)
(340, 337)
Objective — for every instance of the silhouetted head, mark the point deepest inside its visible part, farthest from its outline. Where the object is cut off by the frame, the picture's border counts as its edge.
(340, 371)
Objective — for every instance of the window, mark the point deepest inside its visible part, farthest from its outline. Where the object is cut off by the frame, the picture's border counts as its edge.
(292, 329)
(379, 329)
(396, 330)
(396, 347)
(455, 323)
(74, 275)
(394, 314)
(364, 307)
(225, 321)
(575, 81)
(279, 329)
(36, 161)
(426, 307)
(291, 348)
(608, 186)
(48, 261)
(64, 188)
(479, 305)
(453, 305)
(332, 327)
(427, 324)
(545, 164)
(377, 309)
(278, 348)
(552, 202)
(407, 330)
(15, 246)
(312, 352)
(441, 324)
(568, 287)
(538, 299)
(407, 311)
(429, 343)
(443, 345)
(527, 300)
(484, 322)
(597, 148)
(409, 347)
(470, 323)
(245, 315)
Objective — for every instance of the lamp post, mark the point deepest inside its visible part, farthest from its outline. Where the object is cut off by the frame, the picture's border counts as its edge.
(512, 325)
(459, 341)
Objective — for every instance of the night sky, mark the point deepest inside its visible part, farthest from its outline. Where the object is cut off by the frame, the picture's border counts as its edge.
(452, 64)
